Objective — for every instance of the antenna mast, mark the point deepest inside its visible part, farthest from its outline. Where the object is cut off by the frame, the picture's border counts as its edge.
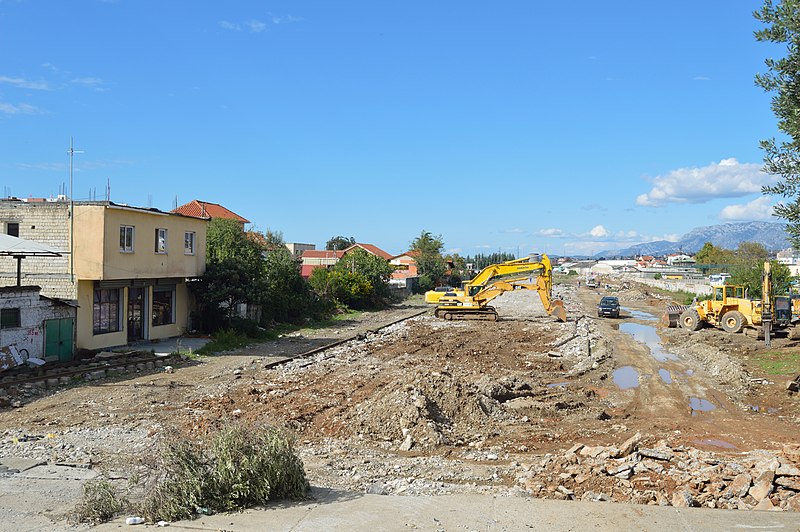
(72, 152)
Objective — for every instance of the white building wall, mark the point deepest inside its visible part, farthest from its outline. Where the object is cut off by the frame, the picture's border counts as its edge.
(33, 312)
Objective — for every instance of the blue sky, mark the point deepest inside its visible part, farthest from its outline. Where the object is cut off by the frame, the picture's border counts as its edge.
(563, 127)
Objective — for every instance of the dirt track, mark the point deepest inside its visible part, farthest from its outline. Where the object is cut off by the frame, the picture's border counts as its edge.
(430, 406)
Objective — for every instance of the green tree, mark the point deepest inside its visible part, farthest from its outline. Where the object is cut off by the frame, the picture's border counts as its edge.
(286, 296)
(782, 26)
(253, 268)
(234, 274)
(750, 276)
(359, 280)
(431, 265)
(339, 243)
(712, 255)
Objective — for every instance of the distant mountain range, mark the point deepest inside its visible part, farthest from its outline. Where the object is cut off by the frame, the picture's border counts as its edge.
(770, 234)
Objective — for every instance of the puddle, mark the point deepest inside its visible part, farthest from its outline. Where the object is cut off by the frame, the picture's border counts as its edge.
(648, 336)
(626, 377)
(639, 315)
(700, 405)
(716, 443)
(665, 376)
(689, 372)
(558, 385)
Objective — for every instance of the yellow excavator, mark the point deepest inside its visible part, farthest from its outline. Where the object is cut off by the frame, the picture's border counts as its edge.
(472, 300)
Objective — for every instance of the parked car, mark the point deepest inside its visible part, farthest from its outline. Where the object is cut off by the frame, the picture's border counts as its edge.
(608, 306)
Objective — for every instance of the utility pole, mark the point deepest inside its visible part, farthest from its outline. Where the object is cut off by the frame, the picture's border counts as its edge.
(72, 152)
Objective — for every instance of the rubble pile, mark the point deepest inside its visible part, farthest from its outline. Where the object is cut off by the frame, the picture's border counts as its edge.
(669, 476)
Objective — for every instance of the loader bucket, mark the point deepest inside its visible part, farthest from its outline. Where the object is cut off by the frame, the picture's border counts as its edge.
(557, 310)
(672, 314)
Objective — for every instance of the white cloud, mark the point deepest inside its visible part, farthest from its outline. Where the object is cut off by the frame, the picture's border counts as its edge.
(515, 230)
(551, 233)
(88, 82)
(256, 26)
(23, 83)
(760, 208)
(598, 231)
(454, 250)
(20, 109)
(225, 25)
(726, 179)
(285, 20)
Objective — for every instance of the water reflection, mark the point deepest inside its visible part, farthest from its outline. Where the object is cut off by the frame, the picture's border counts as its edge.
(648, 336)
(665, 375)
(701, 405)
(626, 377)
(639, 314)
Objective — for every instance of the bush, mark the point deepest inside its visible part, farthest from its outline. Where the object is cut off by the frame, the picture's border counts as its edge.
(240, 467)
(100, 502)
(225, 340)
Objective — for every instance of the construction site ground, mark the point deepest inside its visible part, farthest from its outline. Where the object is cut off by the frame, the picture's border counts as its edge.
(595, 409)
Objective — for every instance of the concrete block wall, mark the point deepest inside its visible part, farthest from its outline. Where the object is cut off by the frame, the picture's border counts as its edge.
(46, 223)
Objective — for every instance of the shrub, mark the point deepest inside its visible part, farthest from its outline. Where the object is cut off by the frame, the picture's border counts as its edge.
(238, 468)
(100, 502)
(224, 340)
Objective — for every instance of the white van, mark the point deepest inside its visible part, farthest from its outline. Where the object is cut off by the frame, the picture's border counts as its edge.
(718, 278)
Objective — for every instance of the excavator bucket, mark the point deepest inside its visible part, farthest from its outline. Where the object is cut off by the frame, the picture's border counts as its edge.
(557, 310)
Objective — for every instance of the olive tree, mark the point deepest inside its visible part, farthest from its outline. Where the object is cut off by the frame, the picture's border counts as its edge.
(782, 158)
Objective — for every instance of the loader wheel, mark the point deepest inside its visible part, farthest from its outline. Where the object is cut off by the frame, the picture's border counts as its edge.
(733, 321)
(690, 320)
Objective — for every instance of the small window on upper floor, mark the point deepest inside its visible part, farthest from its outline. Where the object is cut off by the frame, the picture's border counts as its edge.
(161, 241)
(12, 229)
(188, 243)
(126, 238)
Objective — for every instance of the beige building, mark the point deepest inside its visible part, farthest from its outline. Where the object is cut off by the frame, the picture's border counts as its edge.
(127, 272)
(297, 249)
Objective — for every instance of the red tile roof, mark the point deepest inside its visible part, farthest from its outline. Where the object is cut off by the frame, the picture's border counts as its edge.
(306, 269)
(204, 209)
(322, 254)
(413, 254)
(369, 248)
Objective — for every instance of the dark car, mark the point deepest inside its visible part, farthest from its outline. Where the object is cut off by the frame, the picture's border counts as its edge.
(608, 306)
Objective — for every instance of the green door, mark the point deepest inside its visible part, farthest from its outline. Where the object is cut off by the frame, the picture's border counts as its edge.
(58, 338)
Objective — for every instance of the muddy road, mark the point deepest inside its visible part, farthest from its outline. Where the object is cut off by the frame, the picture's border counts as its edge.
(594, 408)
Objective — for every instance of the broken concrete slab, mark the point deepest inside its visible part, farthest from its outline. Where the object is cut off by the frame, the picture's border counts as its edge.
(20, 464)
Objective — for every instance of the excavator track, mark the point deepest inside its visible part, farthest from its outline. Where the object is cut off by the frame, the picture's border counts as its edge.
(485, 313)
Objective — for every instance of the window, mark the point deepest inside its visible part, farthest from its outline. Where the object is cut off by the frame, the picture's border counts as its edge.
(161, 240)
(9, 318)
(163, 305)
(126, 238)
(12, 229)
(188, 243)
(105, 310)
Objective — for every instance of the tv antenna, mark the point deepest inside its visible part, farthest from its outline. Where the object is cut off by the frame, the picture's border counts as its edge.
(72, 153)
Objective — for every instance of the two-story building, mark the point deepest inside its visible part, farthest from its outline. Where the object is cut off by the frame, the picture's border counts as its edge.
(127, 269)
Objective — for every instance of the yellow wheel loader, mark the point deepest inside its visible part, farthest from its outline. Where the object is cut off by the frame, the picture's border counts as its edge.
(472, 300)
(731, 310)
